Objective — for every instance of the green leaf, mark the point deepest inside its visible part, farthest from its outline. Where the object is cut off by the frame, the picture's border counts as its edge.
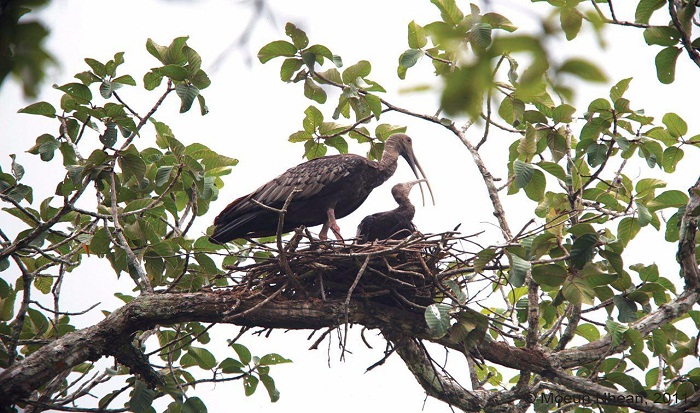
(672, 233)
(665, 62)
(40, 108)
(511, 110)
(141, 398)
(627, 229)
(97, 67)
(528, 143)
(416, 36)
(570, 20)
(583, 250)
(536, 187)
(313, 91)
(250, 384)
(45, 147)
(661, 35)
(132, 165)
(523, 173)
(337, 142)
(483, 257)
(269, 384)
(106, 89)
(630, 384)
(43, 284)
(552, 275)
(231, 366)
(17, 169)
(647, 185)
(300, 136)
(313, 119)
(322, 51)
(276, 49)
(200, 357)
(174, 72)
(410, 57)
(187, 94)
(668, 199)
(616, 331)
(289, 67)
(272, 359)
(588, 331)
(243, 352)
(203, 109)
(194, 405)
(470, 329)
(583, 69)
(77, 91)
(450, 13)
(174, 54)
(359, 70)
(152, 80)
(644, 217)
(672, 155)
(627, 309)
(597, 154)
(563, 113)
(438, 319)
(109, 137)
(645, 8)
(518, 270)
(577, 291)
(125, 80)
(675, 124)
(313, 149)
(480, 37)
(619, 89)
(156, 50)
(297, 35)
(498, 21)
(553, 169)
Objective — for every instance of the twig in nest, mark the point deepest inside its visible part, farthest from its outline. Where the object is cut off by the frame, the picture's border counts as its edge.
(354, 284)
(349, 296)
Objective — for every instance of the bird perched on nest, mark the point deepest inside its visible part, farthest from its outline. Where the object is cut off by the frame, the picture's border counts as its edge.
(394, 224)
(329, 188)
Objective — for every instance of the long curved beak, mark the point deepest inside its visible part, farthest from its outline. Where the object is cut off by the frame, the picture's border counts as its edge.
(415, 167)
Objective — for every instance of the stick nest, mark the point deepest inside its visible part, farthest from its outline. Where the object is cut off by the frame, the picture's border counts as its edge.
(407, 273)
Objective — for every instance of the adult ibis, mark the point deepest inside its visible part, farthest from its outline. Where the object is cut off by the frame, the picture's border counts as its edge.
(394, 224)
(328, 188)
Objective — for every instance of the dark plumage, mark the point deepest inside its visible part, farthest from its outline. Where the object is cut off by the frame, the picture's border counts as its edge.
(330, 187)
(394, 224)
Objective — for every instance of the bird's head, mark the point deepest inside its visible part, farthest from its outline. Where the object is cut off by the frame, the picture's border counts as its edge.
(402, 144)
(400, 191)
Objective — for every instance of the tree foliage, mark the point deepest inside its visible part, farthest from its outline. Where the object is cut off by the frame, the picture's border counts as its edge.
(557, 302)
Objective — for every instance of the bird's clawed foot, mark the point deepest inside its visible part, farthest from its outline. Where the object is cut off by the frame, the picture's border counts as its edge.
(333, 225)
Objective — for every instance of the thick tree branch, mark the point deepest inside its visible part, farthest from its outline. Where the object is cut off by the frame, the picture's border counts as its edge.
(146, 311)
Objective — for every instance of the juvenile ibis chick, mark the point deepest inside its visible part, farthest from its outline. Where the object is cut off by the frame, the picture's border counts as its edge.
(394, 224)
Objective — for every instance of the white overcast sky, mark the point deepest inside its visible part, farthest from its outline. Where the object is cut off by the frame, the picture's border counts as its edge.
(251, 114)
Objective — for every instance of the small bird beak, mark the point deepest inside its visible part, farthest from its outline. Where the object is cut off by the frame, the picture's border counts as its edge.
(415, 166)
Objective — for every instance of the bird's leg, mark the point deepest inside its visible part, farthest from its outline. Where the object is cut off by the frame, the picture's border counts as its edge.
(323, 235)
(332, 224)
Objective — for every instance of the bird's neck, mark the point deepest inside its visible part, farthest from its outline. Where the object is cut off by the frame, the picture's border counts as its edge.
(388, 162)
(406, 209)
